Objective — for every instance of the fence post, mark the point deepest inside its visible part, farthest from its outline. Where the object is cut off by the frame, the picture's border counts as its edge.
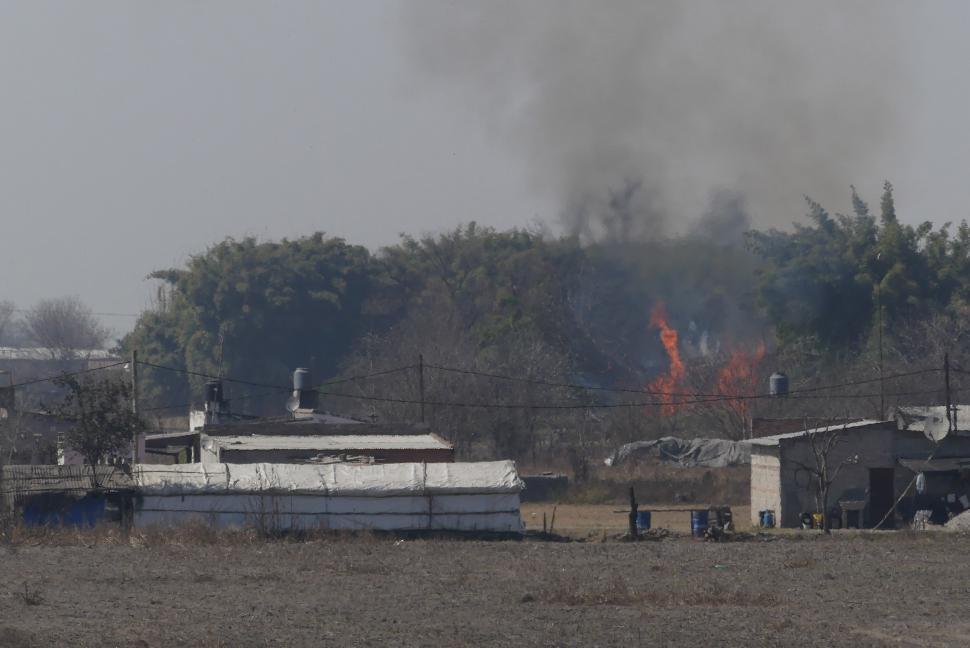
(634, 533)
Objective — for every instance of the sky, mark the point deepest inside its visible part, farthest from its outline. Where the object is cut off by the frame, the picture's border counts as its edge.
(134, 134)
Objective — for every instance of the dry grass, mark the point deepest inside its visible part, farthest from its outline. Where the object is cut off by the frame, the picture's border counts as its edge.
(657, 482)
(618, 592)
(192, 534)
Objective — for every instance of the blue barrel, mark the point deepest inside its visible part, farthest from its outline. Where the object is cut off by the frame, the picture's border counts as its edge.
(643, 520)
(698, 523)
(768, 519)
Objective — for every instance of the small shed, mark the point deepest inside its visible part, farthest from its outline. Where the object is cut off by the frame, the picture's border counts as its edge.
(380, 448)
(479, 497)
(63, 495)
(880, 462)
(308, 441)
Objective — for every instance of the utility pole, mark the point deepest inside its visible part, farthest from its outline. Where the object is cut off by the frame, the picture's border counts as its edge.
(135, 455)
(946, 384)
(882, 382)
(421, 384)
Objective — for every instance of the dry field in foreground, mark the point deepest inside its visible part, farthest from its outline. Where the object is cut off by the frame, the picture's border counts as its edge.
(893, 589)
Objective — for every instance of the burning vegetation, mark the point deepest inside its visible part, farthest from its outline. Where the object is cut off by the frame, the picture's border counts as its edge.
(669, 383)
(736, 379)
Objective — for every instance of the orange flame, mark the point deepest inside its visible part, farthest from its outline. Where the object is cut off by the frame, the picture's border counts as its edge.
(674, 378)
(739, 376)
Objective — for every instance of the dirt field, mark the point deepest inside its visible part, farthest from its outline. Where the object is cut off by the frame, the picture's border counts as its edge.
(592, 520)
(862, 589)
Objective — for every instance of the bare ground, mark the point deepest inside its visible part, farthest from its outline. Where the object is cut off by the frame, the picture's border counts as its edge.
(895, 589)
(592, 520)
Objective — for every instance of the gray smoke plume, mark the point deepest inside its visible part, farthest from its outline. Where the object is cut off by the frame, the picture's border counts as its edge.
(653, 106)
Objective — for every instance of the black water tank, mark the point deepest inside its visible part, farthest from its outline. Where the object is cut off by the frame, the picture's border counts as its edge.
(213, 391)
(778, 384)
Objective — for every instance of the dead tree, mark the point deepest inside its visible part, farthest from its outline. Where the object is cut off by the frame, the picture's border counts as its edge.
(823, 469)
(65, 327)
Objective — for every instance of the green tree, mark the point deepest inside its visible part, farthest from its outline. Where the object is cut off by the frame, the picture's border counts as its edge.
(104, 423)
(256, 310)
(824, 280)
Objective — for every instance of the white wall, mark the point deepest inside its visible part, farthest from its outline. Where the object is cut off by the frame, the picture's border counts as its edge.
(484, 512)
(765, 483)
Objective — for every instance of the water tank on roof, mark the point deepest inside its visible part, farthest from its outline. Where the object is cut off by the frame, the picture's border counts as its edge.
(304, 394)
(302, 379)
(213, 391)
(778, 384)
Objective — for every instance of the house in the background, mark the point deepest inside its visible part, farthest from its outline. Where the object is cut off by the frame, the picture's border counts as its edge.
(879, 462)
(295, 441)
(28, 368)
(305, 435)
(30, 363)
(307, 441)
(28, 436)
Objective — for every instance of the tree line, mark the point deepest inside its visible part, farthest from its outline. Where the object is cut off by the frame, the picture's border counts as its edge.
(525, 303)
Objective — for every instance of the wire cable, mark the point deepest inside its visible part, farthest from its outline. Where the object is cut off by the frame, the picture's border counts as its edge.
(67, 374)
(577, 406)
(649, 392)
(809, 393)
(251, 383)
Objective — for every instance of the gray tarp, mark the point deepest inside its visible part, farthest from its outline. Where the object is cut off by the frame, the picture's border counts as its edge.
(707, 453)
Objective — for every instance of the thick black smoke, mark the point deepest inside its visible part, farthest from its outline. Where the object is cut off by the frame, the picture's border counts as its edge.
(652, 105)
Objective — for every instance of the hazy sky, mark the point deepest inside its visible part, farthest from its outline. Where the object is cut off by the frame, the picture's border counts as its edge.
(133, 134)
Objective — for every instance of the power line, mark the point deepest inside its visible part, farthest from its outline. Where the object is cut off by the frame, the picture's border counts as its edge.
(809, 393)
(577, 406)
(68, 374)
(235, 399)
(648, 392)
(240, 381)
(101, 314)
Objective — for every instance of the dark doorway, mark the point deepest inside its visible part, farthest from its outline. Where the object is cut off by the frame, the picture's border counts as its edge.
(881, 497)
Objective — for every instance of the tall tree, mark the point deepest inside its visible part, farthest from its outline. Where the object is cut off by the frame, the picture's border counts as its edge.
(257, 310)
(825, 280)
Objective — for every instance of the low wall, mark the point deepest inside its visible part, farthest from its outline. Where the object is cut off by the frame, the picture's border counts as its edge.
(545, 488)
(486, 513)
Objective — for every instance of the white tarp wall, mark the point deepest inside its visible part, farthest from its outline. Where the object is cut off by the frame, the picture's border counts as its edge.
(388, 497)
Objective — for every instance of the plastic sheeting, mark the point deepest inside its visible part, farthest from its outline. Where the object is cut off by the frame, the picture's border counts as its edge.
(348, 480)
(407, 497)
(707, 453)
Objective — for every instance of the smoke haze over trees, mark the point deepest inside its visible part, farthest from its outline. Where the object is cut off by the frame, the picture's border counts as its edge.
(662, 105)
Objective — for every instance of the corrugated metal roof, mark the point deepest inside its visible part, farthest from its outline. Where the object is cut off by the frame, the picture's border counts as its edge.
(916, 418)
(937, 465)
(778, 438)
(320, 416)
(286, 426)
(341, 443)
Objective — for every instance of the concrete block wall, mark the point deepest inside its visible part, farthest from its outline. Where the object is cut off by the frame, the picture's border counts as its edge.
(765, 482)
